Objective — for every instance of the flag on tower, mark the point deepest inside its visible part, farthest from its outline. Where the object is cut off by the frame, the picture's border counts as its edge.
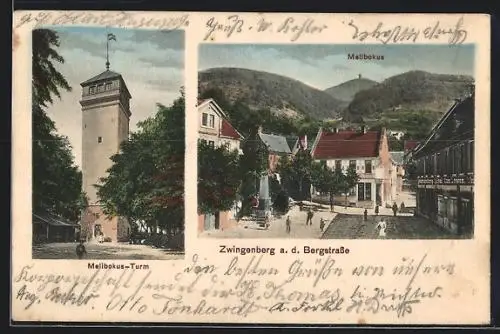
(111, 37)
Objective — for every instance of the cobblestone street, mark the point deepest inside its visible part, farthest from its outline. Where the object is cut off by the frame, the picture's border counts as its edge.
(351, 226)
(104, 251)
(343, 223)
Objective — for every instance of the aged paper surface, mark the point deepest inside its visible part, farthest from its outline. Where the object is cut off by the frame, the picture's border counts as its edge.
(199, 259)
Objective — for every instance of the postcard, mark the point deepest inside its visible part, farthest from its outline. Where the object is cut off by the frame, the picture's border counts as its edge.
(250, 168)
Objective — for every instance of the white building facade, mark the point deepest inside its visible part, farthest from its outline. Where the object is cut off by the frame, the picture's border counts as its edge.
(214, 127)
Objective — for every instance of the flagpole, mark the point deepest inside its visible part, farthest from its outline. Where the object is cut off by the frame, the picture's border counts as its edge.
(107, 52)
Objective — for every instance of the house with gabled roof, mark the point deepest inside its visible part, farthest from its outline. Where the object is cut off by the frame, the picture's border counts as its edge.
(397, 158)
(445, 170)
(215, 129)
(214, 126)
(368, 153)
(301, 143)
(277, 147)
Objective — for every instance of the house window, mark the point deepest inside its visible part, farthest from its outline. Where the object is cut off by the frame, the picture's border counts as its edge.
(368, 191)
(463, 158)
(92, 90)
(368, 166)
(471, 156)
(447, 165)
(364, 191)
(211, 143)
(452, 208)
(352, 164)
(338, 164)
(108, 86)
(439, 163)
(99, 140)
(100, 88)
(208, 120)
(442, 206)
(203, 141)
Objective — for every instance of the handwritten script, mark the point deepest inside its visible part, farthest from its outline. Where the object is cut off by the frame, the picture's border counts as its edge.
(242, 286)
(116, 19)
(293, 27)
(455, 34)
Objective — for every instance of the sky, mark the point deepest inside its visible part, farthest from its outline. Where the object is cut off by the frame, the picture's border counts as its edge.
(150, 61)
(324, 66)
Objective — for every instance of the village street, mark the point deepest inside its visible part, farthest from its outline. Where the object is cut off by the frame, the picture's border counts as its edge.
(104, 251)
(277, 229)
(343, 223)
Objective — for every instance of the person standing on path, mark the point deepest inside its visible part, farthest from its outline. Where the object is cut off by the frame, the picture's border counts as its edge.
(365, 214)
(288, 223)
(321, 224)
(310, 215)
(395, 209)
(376, 210)
(80, 250)
(382, 226)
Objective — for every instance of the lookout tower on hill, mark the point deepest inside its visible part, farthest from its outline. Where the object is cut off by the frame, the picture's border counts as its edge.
(105, 125)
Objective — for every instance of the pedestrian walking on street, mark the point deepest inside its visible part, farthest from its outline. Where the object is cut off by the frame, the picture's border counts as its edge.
(288, 223)
(310, 215)
(80, 250)
(331, 203)
(395, 209)
(366, 214)
(382, 226)
(321, 224)
(376, 210)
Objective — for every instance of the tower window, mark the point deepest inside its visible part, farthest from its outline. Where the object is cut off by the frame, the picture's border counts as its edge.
(99, 140)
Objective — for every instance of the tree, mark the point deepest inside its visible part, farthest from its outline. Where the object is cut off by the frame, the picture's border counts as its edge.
(218, 178)
(57, 182)
(46, 79)
(146, 181)
(327, 180)
(295, 174)
(349, 181)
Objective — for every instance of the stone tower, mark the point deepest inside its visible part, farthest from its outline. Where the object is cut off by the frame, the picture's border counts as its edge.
(105, 125)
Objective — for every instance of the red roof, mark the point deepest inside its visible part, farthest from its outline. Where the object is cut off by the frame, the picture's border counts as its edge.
(410, 145)
(347, 144)
(227, 130)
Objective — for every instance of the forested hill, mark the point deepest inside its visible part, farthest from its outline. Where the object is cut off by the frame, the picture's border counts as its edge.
(347, 90)
(414, 90)
(263, 90)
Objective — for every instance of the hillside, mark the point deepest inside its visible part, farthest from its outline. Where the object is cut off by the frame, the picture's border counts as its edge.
(345, 91)
(262, 90)
(414, 90)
